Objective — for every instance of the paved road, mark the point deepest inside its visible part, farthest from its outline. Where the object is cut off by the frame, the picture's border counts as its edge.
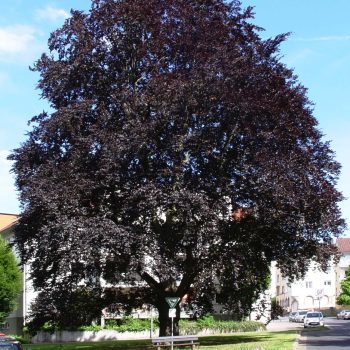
(336, 337)
(283, 325)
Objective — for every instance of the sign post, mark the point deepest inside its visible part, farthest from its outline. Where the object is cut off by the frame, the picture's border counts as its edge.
(319, 294)
(151, 335)
(172, 302)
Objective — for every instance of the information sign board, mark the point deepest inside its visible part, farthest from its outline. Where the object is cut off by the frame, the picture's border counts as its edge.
(172, 313)
(172, 301)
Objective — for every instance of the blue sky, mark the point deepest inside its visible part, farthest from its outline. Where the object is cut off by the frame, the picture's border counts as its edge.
(318, 50)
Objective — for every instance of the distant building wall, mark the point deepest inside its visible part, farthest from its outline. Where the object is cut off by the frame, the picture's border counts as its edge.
(316, 290)
(14, 323)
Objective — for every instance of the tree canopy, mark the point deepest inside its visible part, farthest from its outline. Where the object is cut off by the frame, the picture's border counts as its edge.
(10, 280)
(344, 297)
(179, 154)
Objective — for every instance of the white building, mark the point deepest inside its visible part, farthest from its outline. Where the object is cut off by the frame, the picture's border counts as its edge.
(15, 320)
(344, 262)
(317, 290)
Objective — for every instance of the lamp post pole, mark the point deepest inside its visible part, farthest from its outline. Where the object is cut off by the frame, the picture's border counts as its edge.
(151, 335)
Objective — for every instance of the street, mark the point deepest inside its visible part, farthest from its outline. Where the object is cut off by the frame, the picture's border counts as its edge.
(335, 336)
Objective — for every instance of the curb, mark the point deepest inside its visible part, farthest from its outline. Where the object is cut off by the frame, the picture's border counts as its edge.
(296, 345)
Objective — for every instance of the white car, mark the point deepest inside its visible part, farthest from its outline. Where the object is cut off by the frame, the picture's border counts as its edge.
(300, 315)
(292, 316)
(314, 318)
(340, 314)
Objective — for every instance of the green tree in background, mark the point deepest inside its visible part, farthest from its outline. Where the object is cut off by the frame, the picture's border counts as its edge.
(276, 309)
(344, 297)
(10, 280)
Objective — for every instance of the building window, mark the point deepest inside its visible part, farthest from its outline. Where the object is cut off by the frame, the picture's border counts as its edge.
(309, 284)
(327, 283)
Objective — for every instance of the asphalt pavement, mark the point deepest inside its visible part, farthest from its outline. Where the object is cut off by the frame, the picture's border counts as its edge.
(283, 324)
(335, 336)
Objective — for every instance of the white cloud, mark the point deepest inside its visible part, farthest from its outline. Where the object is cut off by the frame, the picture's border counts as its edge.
(299, 56)
(8, 196)
(16, 38)
(51, 13)
(326, 38)
(18, 43)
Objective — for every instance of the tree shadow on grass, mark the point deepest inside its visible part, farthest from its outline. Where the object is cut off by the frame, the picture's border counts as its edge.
(240, 338)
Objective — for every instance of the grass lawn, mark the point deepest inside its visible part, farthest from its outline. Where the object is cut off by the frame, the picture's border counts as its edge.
(240, 341)
(249, 341)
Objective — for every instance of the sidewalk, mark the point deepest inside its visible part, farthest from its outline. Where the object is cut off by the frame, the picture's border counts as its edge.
(284, 325)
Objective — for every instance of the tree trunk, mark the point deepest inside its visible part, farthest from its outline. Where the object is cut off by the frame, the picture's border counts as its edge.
(160, 293)
(165, 323)
(164, 320)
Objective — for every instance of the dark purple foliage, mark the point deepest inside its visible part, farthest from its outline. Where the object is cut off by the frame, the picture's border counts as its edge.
(168, 116)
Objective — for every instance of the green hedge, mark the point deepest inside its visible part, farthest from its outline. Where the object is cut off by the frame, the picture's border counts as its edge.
(130, 324)
(208, 322)
(127, 324)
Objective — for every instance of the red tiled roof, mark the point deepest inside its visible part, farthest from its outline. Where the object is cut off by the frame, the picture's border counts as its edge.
(343, 245)
(7, 220)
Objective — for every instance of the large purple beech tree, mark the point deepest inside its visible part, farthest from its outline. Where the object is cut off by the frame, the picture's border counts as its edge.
(180, 156)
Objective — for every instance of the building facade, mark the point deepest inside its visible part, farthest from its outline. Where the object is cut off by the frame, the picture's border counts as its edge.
(14, 322)
(343, 245)
(318, 289)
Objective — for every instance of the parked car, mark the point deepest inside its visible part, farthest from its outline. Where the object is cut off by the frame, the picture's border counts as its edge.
(300, 315)
(291, 316)
(340, 314)
(346, 315)
(10, 346)
(8, 343)
(314, 318)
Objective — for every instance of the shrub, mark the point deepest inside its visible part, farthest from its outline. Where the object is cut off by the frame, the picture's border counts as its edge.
(92, 327)
(208, 322)
(129, 324)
